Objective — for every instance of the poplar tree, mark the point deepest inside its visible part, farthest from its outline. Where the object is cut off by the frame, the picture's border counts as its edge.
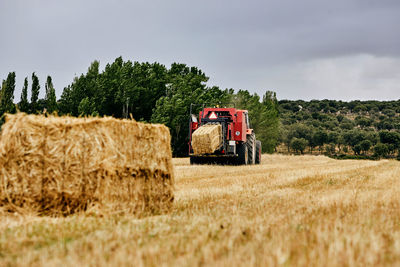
(51, 101)
(34, 93)
(24, 104)
(7, 94)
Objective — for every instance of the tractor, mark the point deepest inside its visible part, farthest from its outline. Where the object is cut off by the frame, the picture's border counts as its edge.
(234, 143)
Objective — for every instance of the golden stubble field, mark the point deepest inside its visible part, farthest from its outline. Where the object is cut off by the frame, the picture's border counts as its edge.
(290, 210)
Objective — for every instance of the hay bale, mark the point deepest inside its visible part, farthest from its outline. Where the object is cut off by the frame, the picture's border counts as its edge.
(207, 139)
(62, 165)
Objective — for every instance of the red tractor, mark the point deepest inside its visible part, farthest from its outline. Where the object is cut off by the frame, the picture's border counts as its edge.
(238, 144)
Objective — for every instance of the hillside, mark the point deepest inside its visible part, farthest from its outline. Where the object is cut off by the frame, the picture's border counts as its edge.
(337, 127)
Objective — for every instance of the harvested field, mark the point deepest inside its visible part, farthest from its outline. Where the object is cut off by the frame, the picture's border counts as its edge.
(62, 165)
(290, 210)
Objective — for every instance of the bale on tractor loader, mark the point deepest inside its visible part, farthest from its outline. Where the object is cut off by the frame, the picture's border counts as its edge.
(207, 139)
(222, 135)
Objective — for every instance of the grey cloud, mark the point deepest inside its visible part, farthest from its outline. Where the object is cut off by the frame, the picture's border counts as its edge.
(237, 43)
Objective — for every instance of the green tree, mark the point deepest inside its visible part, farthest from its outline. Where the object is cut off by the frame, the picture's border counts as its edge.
(7, 95)
(268, 130)
(373, 137)
(123, 88)
(340, 141)
(365, 145)
(354, 137)
(330, 148)
(339, 118)
(299, 130)
(389, 112)
(87, 108)
(363, 122)
(360, 108)
(187, 85)
(298, 144)
(264, 116)
(111, 84)
(143, 84)
(35, 89)
(88, 85)
(357, 149)
(51, 101)
(333, 137)
(392, 139)
(24, 104)
(319, 138)
(381, 150)
(65, 103)
(346, 124)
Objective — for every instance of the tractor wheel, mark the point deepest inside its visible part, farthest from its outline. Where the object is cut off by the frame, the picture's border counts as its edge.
(258, 152)
(251, 147)
(243, 154)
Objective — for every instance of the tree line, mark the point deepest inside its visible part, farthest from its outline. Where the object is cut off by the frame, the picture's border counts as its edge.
(149, 92)
(35, 105)
(358, 128)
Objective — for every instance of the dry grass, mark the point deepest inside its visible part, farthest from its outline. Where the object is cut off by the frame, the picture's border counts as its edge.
(291, 210)
(62, 165)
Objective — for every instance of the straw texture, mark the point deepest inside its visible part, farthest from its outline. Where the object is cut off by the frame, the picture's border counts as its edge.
(62, 165)
(207, 139)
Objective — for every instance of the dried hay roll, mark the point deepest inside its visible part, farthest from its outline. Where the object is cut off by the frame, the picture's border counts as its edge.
(62, 165)
(207, 139)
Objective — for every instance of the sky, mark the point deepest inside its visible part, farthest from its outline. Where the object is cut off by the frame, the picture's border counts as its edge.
(308, 49)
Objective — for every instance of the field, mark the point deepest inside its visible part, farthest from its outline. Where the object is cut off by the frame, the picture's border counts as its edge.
(290, 210)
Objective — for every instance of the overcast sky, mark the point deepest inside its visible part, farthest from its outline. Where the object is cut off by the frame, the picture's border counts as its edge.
(308, 49)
